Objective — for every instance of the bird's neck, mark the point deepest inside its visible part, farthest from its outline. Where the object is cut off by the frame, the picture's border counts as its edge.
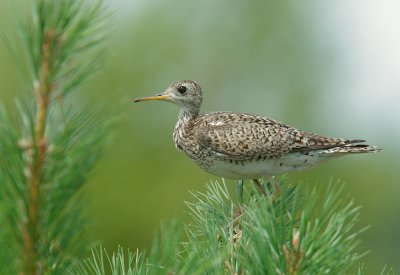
(187, 114)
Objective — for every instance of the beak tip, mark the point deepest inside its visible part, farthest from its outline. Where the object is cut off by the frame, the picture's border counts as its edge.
(135, 100)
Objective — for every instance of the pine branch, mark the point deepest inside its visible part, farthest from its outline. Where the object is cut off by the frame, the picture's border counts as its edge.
(50, 151)
(43, 92)
(299, 232)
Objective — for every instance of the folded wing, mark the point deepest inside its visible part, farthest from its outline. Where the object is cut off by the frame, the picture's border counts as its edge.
(245, 137)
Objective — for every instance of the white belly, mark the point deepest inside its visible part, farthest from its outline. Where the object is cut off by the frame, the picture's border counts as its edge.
(262, 168)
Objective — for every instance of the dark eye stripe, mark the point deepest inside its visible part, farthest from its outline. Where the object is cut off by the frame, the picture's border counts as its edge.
(182, 89)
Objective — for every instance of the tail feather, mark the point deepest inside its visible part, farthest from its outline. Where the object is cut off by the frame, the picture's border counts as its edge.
(354, 141)
(353, 147)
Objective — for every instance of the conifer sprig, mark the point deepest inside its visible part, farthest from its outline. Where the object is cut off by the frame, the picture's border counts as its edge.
(50, 150)
(299, 232)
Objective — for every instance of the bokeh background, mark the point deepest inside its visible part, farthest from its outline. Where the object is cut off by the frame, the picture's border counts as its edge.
(331, 67)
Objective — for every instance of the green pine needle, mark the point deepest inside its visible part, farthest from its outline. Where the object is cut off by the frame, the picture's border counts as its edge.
(51, 152)
(298, 232)
(69, 34)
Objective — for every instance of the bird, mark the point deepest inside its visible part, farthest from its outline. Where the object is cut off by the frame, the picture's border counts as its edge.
(241, 146)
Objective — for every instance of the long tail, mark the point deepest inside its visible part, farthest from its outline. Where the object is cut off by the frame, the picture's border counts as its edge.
(353, 146)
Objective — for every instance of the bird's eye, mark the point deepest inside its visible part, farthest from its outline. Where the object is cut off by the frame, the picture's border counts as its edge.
(182, 89)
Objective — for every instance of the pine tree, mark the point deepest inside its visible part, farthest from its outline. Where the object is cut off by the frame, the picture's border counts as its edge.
(47, 149)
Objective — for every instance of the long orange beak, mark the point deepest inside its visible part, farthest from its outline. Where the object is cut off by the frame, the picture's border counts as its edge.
(156, 97)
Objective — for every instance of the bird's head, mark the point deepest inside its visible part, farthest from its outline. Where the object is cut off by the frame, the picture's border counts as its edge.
(184, 93)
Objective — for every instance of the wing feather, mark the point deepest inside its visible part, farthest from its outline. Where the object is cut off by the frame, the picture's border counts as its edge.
(242, 137)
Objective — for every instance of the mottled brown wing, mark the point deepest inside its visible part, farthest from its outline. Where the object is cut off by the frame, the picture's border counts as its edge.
(242, 136)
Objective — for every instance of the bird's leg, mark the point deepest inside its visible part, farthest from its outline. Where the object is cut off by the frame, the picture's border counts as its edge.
(276, 185)
(259, 187)
(239, 190)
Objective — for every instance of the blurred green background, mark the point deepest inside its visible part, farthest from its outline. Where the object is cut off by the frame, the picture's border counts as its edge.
(330, 67)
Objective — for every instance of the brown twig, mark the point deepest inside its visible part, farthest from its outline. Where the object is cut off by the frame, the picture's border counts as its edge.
(31, 228)
(293, 255)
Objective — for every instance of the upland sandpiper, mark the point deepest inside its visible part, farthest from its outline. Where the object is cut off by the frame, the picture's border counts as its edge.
(243, 146)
